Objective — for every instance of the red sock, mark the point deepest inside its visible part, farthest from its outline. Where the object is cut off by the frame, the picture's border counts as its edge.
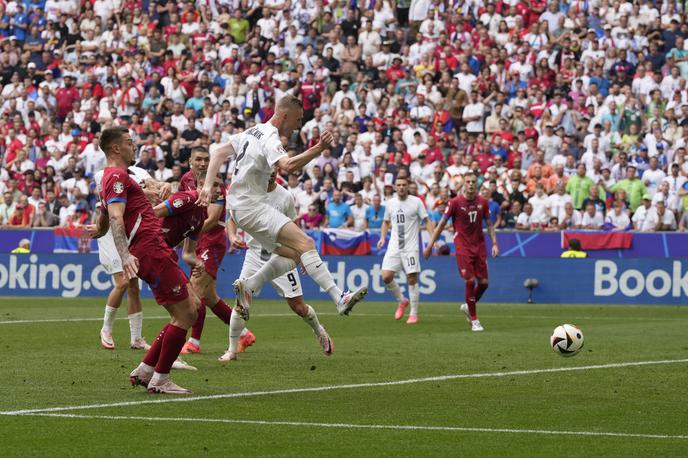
(152, 355)
(197, 328)
(172, 344)
(222, 311)
(482, 287)
(470, 298)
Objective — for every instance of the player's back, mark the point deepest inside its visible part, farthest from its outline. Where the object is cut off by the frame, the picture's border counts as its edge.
(467, 218)
(142, 227)
(405, 217)
(257, 151)
(283, 201)
(185, 218)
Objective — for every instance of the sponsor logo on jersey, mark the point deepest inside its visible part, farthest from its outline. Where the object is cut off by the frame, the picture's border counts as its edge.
(118, 187)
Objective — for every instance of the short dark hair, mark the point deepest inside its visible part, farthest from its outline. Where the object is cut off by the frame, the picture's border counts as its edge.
(199, 149)
(111, 136)
(574, 244)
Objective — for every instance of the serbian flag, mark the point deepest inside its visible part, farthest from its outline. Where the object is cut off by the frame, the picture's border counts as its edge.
(73, 239)
(344, 242)
(593, 240)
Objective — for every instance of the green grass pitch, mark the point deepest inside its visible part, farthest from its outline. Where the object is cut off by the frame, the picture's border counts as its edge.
(505, 392)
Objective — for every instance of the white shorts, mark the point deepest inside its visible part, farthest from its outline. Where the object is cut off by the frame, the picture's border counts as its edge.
(263, 223)
(107, 254)
(401, 261)
(287, 285)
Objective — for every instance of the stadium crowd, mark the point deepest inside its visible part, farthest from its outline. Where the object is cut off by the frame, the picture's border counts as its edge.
(574, 114)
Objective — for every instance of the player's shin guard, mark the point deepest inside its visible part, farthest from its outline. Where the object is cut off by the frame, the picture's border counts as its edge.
(275, 267)
(312, 319)
(470, 298)
(236, 328)
(197, 328)
(222, 311)
(480, 290)
(414, 298)
(135, 325)
(315, 267)
(393, 288)
(153, 354)
(172, 343)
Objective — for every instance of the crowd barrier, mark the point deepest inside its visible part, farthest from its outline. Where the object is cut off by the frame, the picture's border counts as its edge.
(603, 281)
(516, 244)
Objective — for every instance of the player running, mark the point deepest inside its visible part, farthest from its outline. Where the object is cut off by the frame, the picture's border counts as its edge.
(288, 285)
(258, 150)
(211, 249)
(109, 259)
(182, 221)
(404, 213)
(137, 235)
(467, 212)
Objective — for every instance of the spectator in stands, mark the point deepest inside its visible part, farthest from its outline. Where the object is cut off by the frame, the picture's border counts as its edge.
(337, 213)
(571, 218)
(645, 217)
(358, 213)
(524, 221)
(632, 186)
(592, 218)
(375, 213)
(7, 208)
(44, 217)
(617, 219)
(579, 186)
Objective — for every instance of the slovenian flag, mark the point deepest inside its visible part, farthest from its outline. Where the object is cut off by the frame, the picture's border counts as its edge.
(343, 242)
(73, 240)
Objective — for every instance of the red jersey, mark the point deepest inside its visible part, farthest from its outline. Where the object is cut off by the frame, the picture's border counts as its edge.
(185, 219)
(141, 226)
(188, 182)
(467, 217)
(217, 234)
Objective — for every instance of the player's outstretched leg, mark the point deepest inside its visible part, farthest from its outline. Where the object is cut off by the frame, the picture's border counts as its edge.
(414, 296)
(308, 314)
(395, 290)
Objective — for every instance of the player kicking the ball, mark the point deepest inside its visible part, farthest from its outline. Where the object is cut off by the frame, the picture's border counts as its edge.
(405, 214)
(288, 285)
(137, 235)
(258, 150)
(467, 212)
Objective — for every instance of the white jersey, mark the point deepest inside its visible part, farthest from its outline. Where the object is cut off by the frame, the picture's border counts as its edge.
(283, 201)
(257, 151)
(405, 217)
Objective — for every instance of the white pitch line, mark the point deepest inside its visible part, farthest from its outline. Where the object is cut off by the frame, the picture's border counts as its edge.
(440, 378)
(364, 426)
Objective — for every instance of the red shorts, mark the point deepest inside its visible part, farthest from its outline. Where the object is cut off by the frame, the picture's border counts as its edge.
(212, 256)
(472, 265)
(160, 269)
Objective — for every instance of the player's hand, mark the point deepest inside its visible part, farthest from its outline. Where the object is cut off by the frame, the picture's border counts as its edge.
(93, 232)
(380, 243)
(495, 251)
(427, 252)
(237, 244)
(325, 140)
(204, 196)
(164, 191)
(130, 266)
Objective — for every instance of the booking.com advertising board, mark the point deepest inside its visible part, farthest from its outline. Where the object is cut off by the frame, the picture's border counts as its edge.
(619, 281)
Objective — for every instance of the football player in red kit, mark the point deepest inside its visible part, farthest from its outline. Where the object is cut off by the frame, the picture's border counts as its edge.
(467, 212)
(210, 249)
(137, 235)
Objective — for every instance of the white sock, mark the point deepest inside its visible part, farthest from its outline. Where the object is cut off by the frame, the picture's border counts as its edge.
(275, 267)
(244, 332)
(315, 267)
(109, 318)
(146, 368)
(135, 325)
(195, 341)
(159, 378)
(414, 296)
(393, 288)
(312, 319)
(237, 325)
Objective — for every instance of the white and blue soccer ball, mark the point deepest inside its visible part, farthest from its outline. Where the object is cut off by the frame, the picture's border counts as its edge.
(567, 340)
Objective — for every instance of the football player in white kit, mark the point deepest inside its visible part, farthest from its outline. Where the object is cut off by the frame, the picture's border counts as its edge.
(109, 258)
(404, 213)
(258, 150)
(288, 285)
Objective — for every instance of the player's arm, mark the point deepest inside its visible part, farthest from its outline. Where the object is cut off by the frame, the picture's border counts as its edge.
(296, 163)
(213, 219)
(162, 210)
(429, 225)
(234, 239)
(427, 252)
(189, 255)
(161, 190)
(383, 234)
(493, 235)
(218, 156)
(130, 264)
(100, 228)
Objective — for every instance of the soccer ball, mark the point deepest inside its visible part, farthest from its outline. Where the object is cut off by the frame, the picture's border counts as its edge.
(567, 340)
